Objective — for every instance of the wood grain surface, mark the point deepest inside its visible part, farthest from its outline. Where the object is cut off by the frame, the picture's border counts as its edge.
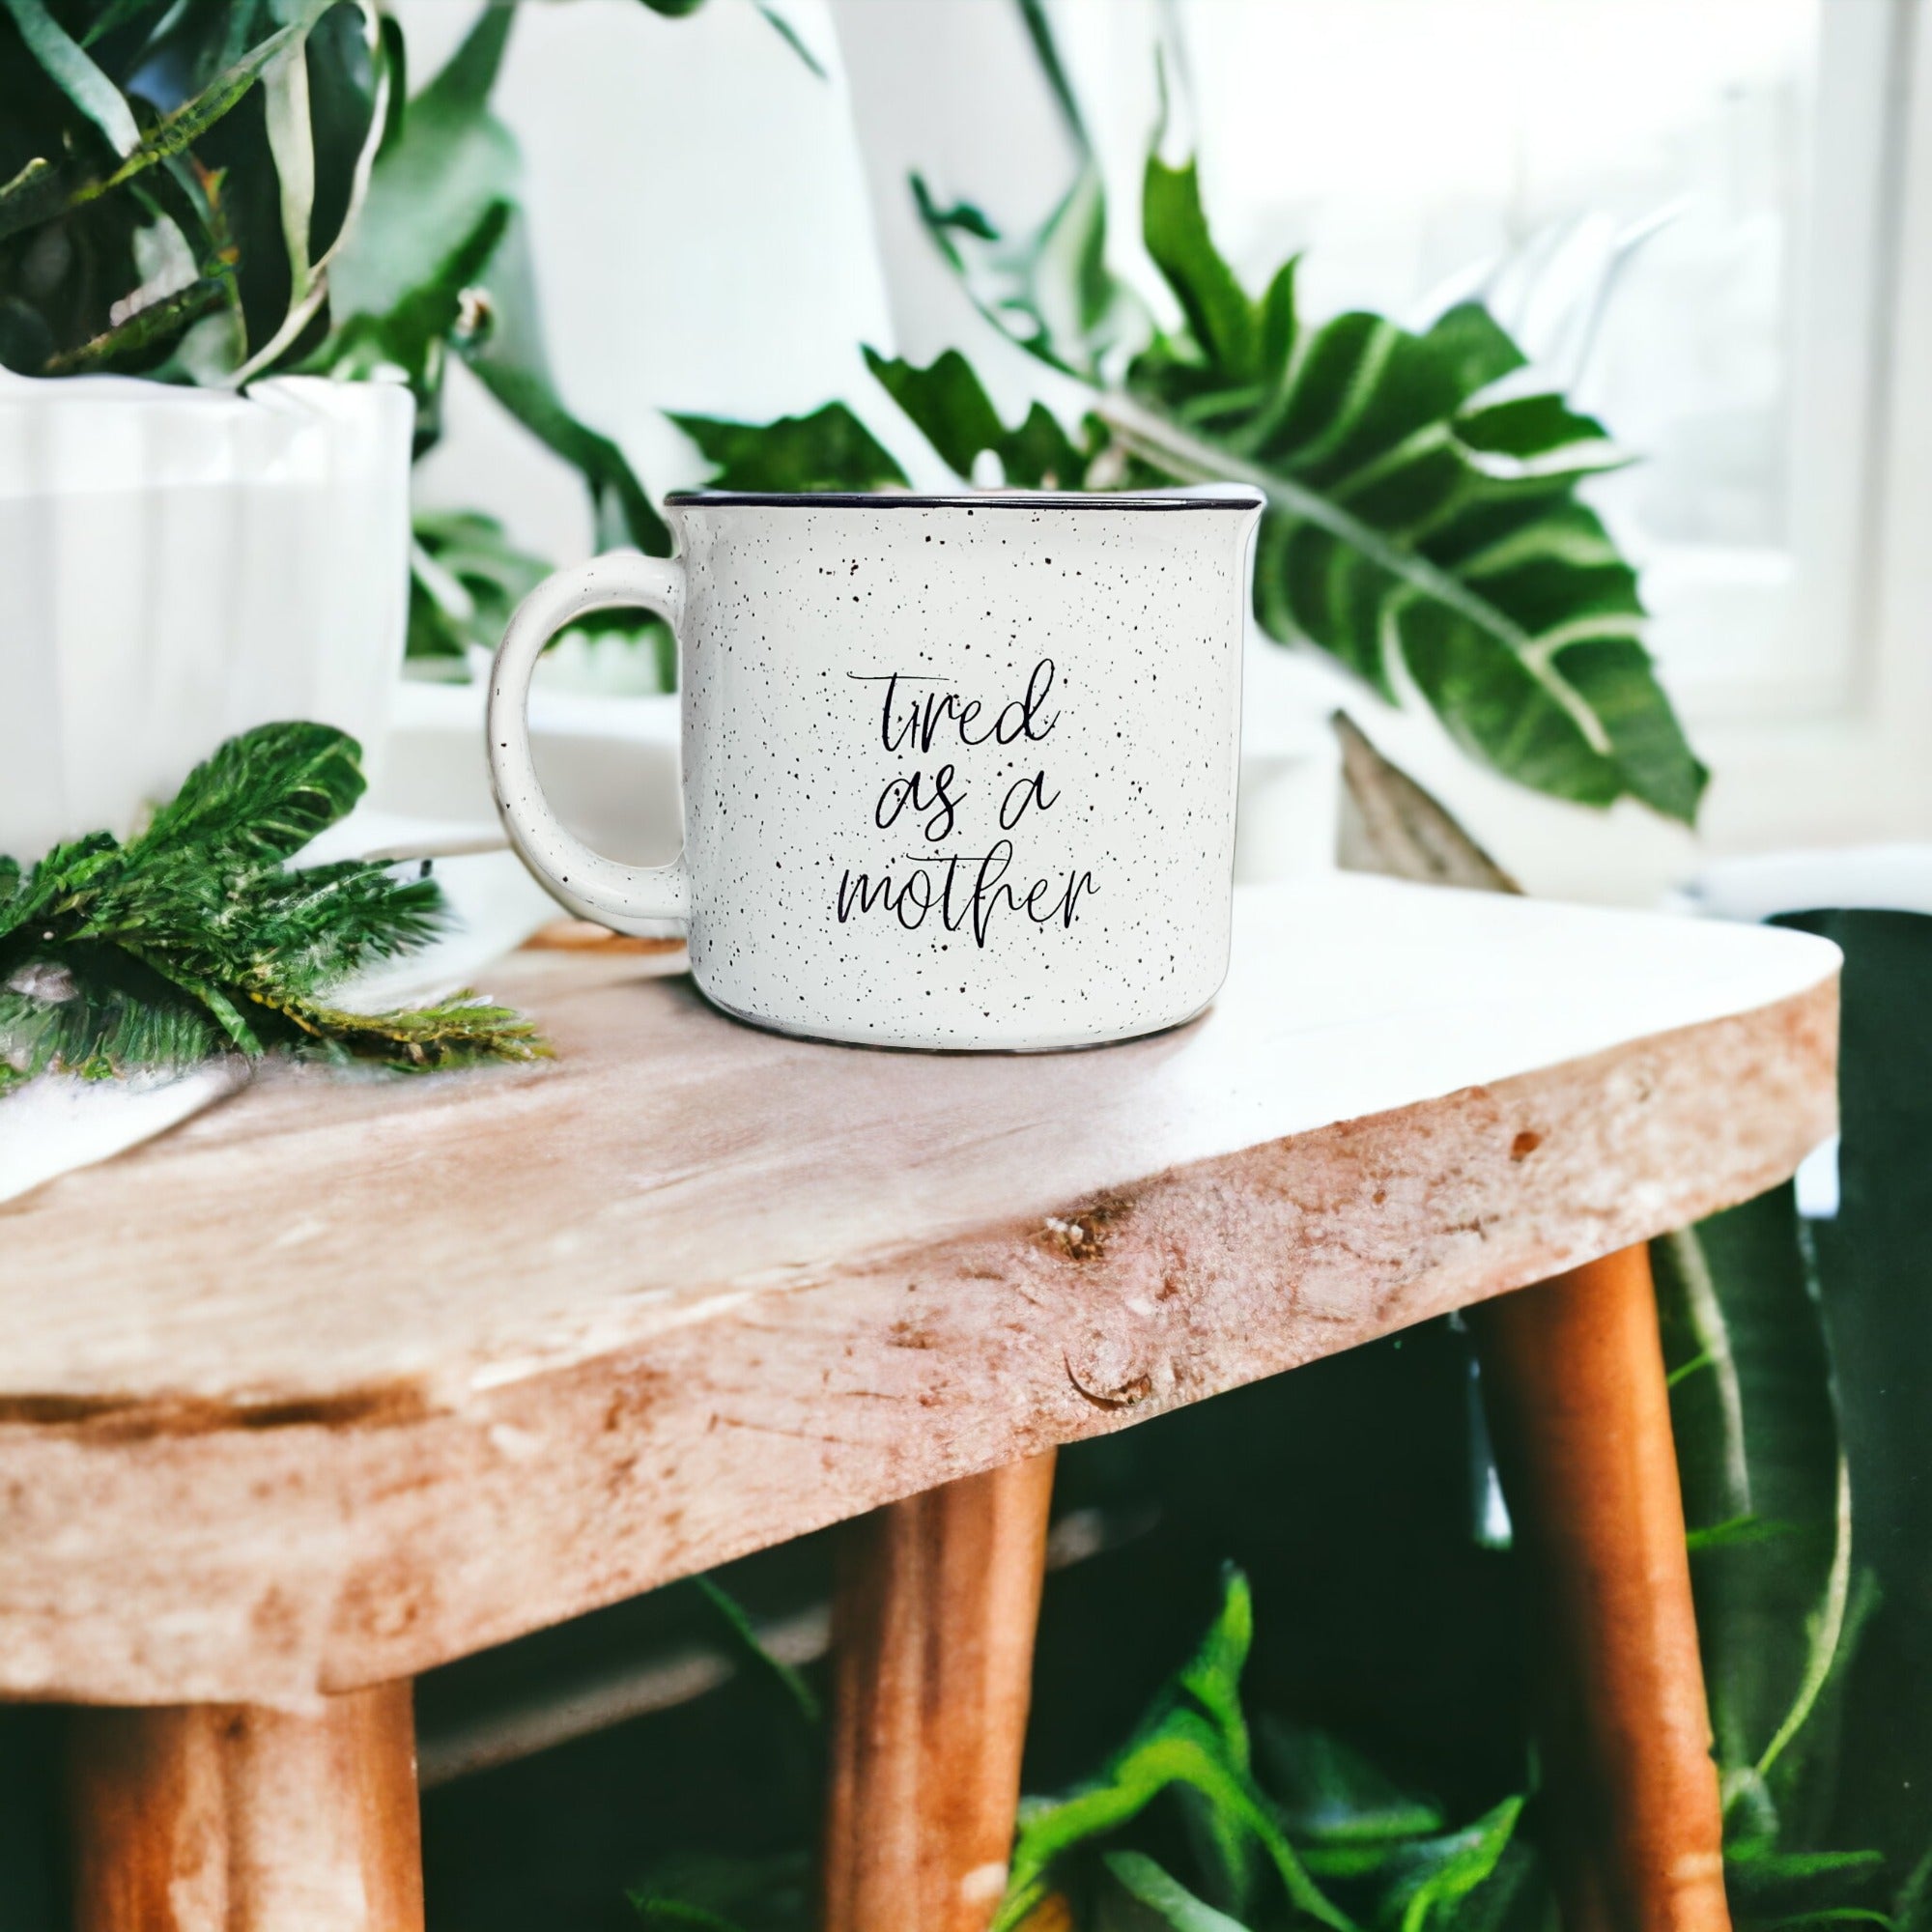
(932, 1637)
(230, 1819)
(1572, 1376)
(351, 1376)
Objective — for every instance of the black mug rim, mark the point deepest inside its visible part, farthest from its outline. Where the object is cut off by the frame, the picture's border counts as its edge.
(981, 500)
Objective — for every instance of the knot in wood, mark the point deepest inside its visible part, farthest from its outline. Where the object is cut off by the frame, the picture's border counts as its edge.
(1112, 1368)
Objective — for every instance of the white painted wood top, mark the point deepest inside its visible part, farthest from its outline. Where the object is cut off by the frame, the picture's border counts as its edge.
(352, 1375)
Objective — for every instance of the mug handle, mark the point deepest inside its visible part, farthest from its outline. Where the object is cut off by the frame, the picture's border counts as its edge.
(627, 898)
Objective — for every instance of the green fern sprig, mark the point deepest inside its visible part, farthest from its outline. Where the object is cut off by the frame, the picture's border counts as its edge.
(197, 937)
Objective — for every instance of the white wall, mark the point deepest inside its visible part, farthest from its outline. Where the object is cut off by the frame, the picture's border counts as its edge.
(701, 235)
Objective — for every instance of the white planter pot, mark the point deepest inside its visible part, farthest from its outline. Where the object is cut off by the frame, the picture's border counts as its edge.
(177, 565)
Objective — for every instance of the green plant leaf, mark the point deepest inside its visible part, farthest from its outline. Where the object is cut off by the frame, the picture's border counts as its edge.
(65, 63)
(466, 577)
(773, 17)
(745, 1640)
(256, 123)
(434, 184)
(830, 449)
(1192, 1744)
(1429, 1879)
(1225, 324)
(1166, 1896)
(1328, 1794)
(675, 1911)
(1765, 1482)
(260, 796)
(1909, 1908)
(625, 512)
(142, 333)
(1874, 1258)
(347, 75)
(179, 130)
(950, 409)
(1829, 1915)
(412, 337)
(1736, 1531)
(116, 15)
(401, 286)
(721, 1895)
(1051, 290)
(1387, 540)
(195, 937)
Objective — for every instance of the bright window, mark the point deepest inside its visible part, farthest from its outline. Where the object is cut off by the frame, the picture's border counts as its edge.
(1683, 206)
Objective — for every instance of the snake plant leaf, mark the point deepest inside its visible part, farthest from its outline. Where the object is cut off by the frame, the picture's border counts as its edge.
(1764, 1480)
(830, 449)
(67, 63)
(253, 125)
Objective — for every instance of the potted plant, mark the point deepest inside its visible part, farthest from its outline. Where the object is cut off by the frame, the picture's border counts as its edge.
(227, 206)
(196, 538)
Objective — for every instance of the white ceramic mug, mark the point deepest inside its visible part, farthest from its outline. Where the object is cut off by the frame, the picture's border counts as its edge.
(959, 772)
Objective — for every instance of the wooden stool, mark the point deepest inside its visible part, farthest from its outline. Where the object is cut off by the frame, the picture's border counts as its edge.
(348, 1378)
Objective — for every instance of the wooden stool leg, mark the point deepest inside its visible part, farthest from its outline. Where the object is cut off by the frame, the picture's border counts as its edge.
(234, 1818)
(932, 1628)
(1573, 1375)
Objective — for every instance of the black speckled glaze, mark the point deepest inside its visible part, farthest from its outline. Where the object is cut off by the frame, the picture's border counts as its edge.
(789, 606)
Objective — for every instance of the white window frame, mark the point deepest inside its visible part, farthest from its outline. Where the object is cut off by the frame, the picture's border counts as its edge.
(1843, 754)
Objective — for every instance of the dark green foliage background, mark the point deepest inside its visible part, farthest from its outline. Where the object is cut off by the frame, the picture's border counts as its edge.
(1876, 1258)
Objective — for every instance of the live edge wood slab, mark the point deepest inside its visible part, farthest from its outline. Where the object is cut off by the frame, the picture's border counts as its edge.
(350, 1377)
